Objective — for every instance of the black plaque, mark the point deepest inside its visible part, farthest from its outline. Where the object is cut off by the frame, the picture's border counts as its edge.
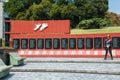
(24, 43)
(56, 43)
(80, 43)
(97, 43)
(40, 43)
(89, 43)
(32, 43)
(16, 43)
(48, 43)
(64, 42)
(72, 43)
(116, 42)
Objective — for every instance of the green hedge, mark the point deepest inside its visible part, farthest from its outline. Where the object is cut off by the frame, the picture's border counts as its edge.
(94, 23)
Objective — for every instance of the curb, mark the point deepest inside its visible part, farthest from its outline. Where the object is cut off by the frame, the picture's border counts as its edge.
(59, 61)
(68, 71)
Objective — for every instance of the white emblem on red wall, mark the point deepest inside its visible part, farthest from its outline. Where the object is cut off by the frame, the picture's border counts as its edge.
(41, 27)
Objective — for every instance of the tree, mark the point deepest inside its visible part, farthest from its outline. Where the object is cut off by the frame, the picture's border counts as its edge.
(74, 10)
(16, 6)
(39, 12)
(92, 23)
(61, 2)
(55, 12)
(69, 12)
(113, 19)
(91, 8)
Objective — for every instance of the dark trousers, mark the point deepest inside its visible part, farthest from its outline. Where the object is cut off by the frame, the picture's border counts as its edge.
(110, 51)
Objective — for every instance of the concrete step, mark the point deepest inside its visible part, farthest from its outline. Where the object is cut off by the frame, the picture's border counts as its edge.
(72, 60)
(58, 76)
(93, 68)
(66, 69)
(69, 71)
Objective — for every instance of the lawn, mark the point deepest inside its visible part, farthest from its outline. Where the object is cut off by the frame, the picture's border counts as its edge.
(96, 31)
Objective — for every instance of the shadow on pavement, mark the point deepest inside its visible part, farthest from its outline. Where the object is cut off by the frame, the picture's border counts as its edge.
(7, 77)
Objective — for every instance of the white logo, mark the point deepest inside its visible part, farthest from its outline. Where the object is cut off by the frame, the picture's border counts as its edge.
(37, 26)
(41, 26)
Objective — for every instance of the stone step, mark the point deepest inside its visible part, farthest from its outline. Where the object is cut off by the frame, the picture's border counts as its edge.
(93, 68)
(58, 76)
(72, 60)
(69, 71)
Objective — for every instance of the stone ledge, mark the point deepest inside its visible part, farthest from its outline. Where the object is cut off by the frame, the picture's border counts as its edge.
(68, 71)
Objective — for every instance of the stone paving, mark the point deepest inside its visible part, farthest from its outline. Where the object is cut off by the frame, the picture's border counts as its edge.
(73, 60)
(70, 67)
(66, 69)
(58, 76)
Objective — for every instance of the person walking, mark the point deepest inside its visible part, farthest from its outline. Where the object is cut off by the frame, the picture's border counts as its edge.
(108, 47)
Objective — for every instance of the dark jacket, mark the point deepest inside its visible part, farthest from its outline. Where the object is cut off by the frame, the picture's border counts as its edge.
(108, 43)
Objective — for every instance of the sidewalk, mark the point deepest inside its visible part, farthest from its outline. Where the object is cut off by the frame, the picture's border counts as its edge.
(66, 69)
(73, 60)
(71, 65)
(58, 76)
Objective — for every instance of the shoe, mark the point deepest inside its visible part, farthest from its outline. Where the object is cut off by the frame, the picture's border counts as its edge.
(104, 58)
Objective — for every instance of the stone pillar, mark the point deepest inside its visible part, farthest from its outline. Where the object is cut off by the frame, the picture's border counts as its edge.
(1, 19)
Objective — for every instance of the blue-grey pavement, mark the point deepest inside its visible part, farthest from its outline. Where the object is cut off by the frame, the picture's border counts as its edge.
(66, 69)
(58, 76)
(74, 65)
(97, 68)
(73, 60)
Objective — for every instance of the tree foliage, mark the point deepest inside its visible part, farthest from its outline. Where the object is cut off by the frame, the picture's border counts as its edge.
(91, 8)
(95, 23)
(74, 10)
(39, 12)
(55, 12)
(14, 7)
(113, 19)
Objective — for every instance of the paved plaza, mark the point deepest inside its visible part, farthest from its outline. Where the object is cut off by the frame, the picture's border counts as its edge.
(66, 69)
(59, 76)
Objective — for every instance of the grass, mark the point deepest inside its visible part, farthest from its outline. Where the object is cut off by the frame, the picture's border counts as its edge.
(96, 31)
(6, 48)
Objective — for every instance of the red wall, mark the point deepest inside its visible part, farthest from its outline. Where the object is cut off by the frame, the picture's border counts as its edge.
(55, 29)
(54, 26)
